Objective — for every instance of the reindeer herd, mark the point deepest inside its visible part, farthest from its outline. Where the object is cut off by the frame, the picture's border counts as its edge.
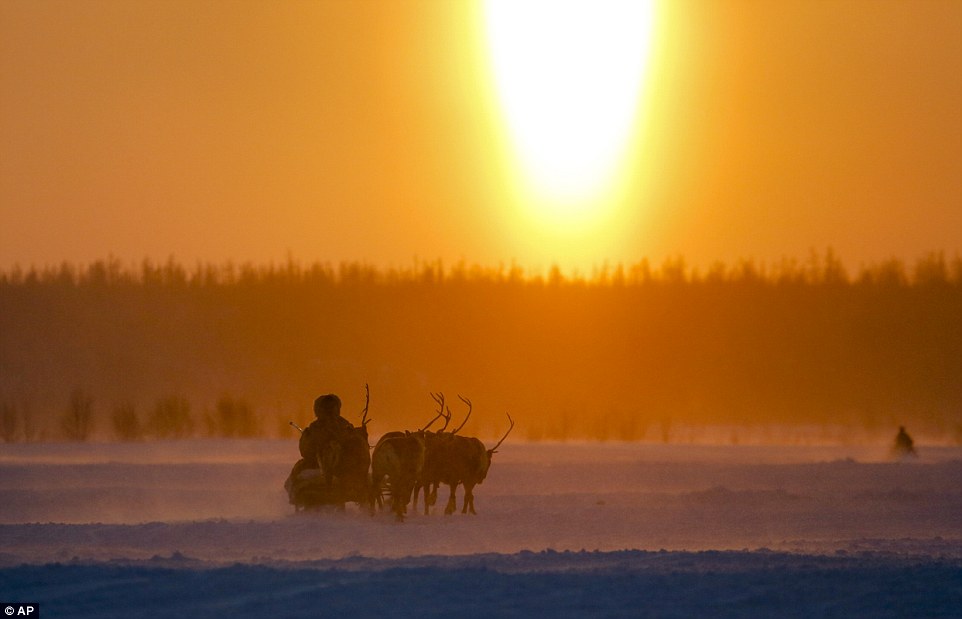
(401, 466)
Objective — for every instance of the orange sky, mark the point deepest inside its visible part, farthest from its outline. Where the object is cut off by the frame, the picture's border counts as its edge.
(372, 131)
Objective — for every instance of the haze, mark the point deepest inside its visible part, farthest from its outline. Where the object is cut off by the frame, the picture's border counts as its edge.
(354, 131)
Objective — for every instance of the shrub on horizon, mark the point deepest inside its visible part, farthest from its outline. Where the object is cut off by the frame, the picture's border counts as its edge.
(233, 418)
(77, 421)
(9, 422)
(171, 419)
(126, 423)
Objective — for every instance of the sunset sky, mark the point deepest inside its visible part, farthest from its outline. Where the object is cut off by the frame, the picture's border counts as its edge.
(392, 131)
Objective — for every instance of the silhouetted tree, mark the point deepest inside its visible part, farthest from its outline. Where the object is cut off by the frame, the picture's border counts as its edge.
(932, 270)
(9, 422)
(126, 423)
(30, 431)
(171, 418)
(77, 422)
(233, 418)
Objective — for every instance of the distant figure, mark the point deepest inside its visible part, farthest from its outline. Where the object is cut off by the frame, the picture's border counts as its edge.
(904, 445)
(327, 427)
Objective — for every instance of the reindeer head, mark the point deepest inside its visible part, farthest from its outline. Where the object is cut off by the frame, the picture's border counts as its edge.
(498, 444)
(486, 460)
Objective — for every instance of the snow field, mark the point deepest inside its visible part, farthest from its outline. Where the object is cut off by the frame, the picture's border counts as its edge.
(202, 528)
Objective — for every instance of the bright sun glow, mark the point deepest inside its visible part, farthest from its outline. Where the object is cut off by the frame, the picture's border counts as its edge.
(569, 74)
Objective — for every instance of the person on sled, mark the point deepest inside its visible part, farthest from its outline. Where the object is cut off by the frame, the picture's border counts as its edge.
(327, 426)
(303, 485)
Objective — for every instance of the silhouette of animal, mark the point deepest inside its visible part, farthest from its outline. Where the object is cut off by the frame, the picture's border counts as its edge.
(398, 458)
(466, 461)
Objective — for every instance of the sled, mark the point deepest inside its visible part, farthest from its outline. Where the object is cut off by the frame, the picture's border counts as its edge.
(308, 490)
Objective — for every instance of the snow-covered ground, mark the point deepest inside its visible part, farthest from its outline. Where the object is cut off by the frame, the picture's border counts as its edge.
(203, 528)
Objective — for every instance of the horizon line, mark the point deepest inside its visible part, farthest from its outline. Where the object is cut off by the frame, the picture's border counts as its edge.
(827, 265)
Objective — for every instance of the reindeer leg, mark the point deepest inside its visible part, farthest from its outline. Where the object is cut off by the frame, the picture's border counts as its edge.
(377, 503)
(468, 499)
(398, 509)
(430, 496)
(424, 491)
(452, 502)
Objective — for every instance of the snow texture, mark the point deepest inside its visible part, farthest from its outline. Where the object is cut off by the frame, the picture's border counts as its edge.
(203, 528)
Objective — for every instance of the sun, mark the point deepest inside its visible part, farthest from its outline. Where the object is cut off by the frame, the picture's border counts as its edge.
(568, 76)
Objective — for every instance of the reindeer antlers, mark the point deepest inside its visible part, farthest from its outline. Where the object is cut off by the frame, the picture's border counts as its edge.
(470, 406)
(447, 419)
(367, 402)
(439, 398)
(495, 448)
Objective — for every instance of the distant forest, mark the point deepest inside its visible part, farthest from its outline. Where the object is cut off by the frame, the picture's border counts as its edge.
(157, 350)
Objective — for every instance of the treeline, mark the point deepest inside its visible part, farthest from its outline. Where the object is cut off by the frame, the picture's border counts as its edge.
(817, 269)
(636, 352)
(170, 418)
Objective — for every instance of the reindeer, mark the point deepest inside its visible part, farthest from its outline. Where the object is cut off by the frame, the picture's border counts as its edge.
(434, 462)
(399, 457)
(466, 461)
(397, 462)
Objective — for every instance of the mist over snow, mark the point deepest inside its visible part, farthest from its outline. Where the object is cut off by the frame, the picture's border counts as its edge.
(570, 529)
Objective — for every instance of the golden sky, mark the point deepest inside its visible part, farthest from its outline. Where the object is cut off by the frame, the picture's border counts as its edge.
(380, 131)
